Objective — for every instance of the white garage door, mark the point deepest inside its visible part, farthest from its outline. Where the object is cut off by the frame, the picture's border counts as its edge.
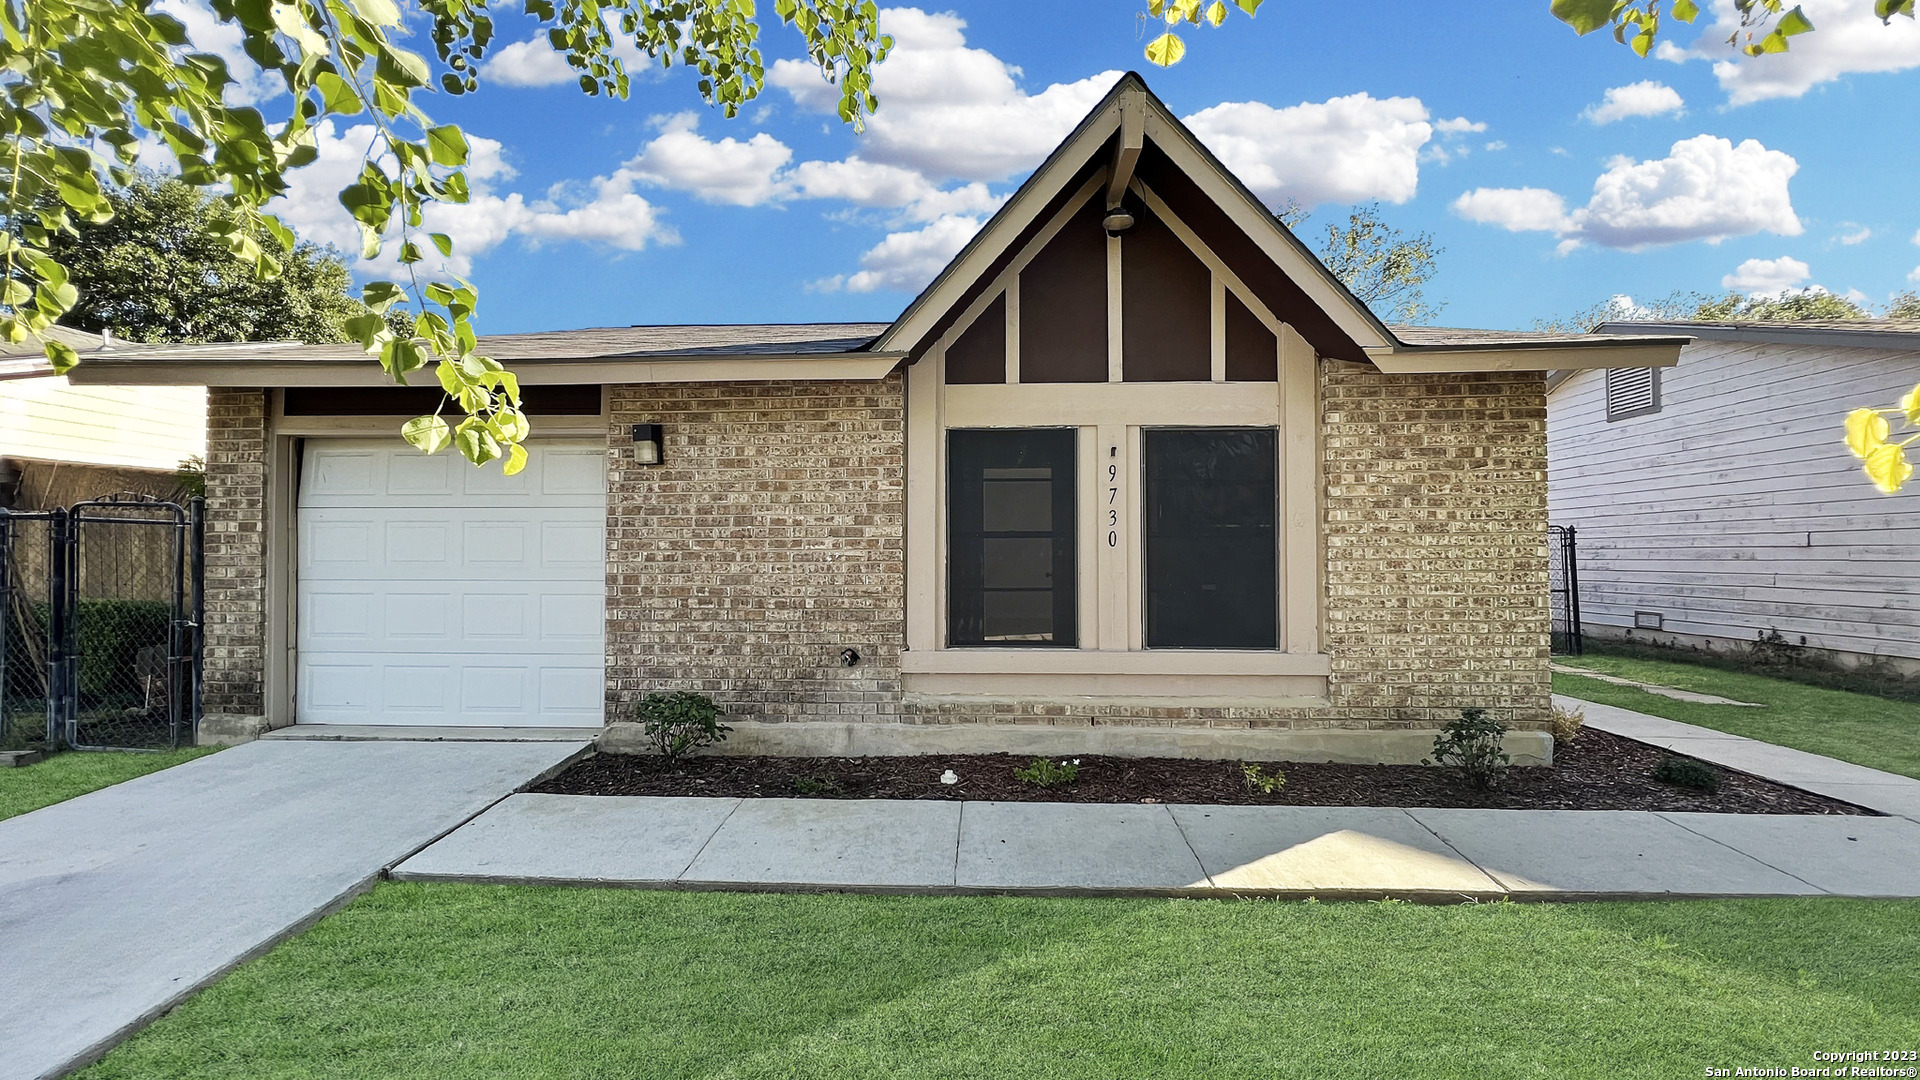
(432, 592)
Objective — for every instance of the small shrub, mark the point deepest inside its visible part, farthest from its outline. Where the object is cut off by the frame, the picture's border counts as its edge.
(814, 785)
(1041, 772)
(680, 723)
(1262, 781)
(1567, 723)
(1687, 773)
(1472, 744)
(1771, 649)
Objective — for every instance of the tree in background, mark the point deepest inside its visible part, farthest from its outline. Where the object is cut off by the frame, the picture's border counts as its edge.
(1380, 265)
(1905, 305)
(156, 271)
(85, 83)
(1730, 307)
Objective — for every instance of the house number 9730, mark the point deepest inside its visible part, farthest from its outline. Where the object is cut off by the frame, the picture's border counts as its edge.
(1113, 499)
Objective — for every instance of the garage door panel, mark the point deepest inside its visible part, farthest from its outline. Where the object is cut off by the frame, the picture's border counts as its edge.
(435, 593)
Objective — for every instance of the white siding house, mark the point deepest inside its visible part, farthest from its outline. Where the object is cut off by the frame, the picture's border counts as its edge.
(1716, 500)
(60, 442)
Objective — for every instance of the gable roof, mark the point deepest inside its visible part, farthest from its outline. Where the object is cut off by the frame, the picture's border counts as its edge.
(1132, 128)
(1129, 132)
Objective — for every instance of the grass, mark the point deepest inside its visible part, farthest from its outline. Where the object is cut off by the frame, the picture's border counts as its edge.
(453, 981)
(63, 776)
(1861, 728)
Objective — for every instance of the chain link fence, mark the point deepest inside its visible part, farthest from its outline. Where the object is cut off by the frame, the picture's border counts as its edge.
(102, 634)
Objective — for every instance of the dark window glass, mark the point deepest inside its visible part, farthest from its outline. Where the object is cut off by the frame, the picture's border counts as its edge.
(1210, 509)
(1010, 551)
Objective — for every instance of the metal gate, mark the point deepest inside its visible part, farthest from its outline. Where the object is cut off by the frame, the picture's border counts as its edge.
(1563, 577)
(101, 634)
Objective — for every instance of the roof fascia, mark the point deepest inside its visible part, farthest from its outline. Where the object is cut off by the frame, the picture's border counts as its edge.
(1655, 352)
(1246, 211)
(860, 367)
(1785, 335)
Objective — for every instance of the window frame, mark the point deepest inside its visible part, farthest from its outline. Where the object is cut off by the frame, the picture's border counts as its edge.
(1066, 546)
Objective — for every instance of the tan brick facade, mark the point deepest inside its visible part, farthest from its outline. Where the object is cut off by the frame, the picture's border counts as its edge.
(772, 538)
(768, 540)
(236, 575)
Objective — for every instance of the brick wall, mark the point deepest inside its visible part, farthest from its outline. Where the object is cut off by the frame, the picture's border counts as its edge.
(236, 552)
(768, 540)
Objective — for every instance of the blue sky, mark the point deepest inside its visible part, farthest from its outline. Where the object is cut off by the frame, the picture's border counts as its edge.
(1489, 127)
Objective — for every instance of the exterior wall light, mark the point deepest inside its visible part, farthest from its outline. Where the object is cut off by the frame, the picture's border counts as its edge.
(648, 442)
(1117, 221)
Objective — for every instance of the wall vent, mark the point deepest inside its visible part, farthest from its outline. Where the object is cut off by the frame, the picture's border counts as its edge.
(1632, 392)
(1649, 620)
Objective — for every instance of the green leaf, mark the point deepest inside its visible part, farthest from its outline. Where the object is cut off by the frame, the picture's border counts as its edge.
(337, 94)
(61, 356)
(1686, 10)
(516, 459)
(1248, 6)
(429, 434)
(1793, 22)
(1585, 16)
(1642, 43)
(381, 295)
(443, 242)
(378, 12)
(1216, 13)
(448, 146)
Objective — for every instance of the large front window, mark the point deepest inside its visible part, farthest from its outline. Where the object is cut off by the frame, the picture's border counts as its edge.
(1209, 511)
(1011, 543)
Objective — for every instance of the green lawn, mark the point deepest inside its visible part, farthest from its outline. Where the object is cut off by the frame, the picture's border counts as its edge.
(63, 776)
(1860, 728)
(452, 981)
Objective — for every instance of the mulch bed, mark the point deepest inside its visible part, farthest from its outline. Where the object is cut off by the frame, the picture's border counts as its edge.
(1598, 771)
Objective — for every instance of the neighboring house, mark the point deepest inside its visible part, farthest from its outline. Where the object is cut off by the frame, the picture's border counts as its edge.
(1149, 481)
(61, 443)
(1716, 501)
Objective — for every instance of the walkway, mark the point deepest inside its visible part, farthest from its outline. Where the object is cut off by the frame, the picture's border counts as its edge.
(1081, 848)
(1886, 792)
(118, 904)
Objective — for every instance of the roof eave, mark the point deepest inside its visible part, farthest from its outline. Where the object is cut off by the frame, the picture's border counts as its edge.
(1528, 356)
(363, 371)
(1787, 334)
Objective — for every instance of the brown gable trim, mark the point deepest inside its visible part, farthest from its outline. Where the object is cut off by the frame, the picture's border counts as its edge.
(1012, 251)
(1270, 284)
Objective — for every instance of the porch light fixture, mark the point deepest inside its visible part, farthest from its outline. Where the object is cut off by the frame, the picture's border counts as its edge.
(648, 441)
(1117, 221)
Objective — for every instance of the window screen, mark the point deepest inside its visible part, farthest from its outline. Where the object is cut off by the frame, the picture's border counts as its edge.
(1210, 509)
(1632, 392)
(1010, 551)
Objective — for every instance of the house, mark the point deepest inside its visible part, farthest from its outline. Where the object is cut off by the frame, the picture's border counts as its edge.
(1134, 474)
(61, 443)
(1716, 502)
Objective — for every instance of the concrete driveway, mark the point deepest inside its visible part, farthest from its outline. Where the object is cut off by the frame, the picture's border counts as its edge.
(116, 905)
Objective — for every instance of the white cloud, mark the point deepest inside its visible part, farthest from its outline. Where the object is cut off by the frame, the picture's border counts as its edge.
(949, 111)
(1707, 188)
(871, 184)
(1767, 277)
(607, 211)
(1515, 209)
(1459, 125)
(1497, 144)
(1848, 39)
(1646, 98)
(223, 39)
(906, 261)
(535, 63)
(1671, 53)
(1348, 149)
(1916, 238)
(1915, 276)
(731, 171)
(1856, 234)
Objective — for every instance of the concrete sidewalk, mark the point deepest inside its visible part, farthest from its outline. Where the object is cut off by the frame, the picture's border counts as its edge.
(1131, 849)
(1886, 792)
(118, 904)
